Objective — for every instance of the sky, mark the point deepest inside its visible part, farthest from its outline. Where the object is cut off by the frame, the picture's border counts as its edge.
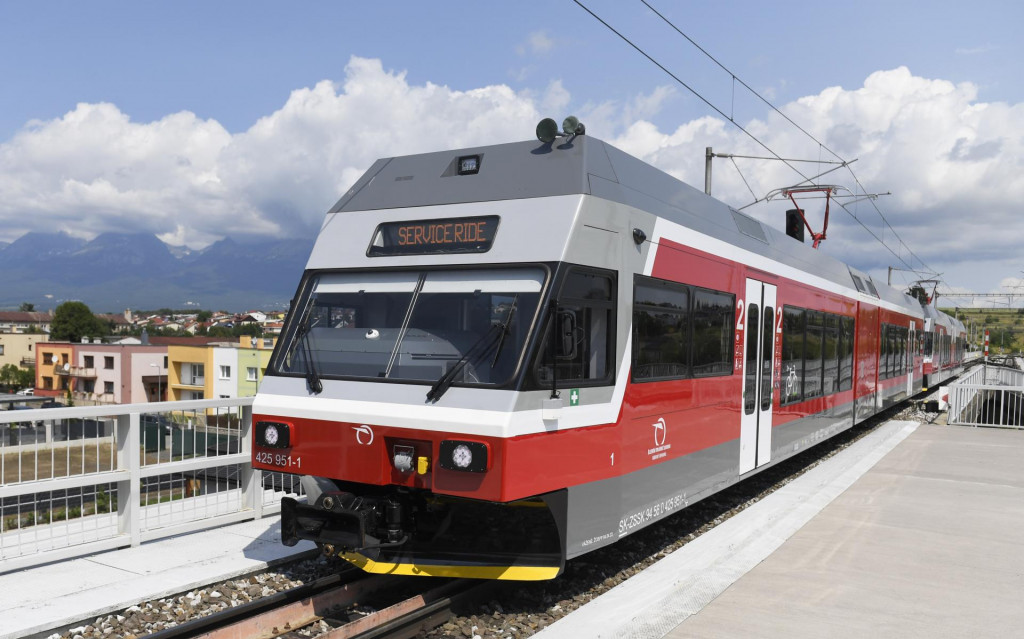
(198, 120)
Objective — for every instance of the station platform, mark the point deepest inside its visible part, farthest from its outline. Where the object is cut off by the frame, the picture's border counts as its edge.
(36, 602)
(913, 531)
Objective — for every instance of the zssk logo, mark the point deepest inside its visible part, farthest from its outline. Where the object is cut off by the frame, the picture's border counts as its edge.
(362, 432)
(659, 431)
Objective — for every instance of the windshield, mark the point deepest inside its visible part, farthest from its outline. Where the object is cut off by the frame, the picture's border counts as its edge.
(414, 326)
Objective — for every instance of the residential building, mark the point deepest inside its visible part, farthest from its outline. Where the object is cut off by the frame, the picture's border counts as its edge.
(253, 357)
(119, 373)
(25, 321)
(217, 370)
(53, 363)
(96, 373)
(19, 348)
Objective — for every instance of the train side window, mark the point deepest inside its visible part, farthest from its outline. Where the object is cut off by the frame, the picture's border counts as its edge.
(813, 355)
(793, 329)
(830, 355)
(846, 333)
(585, 322)
(883, 353)
(750, 383)
(714, 316)
(661, 330)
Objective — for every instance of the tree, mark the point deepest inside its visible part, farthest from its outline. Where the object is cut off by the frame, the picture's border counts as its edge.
(27, 307)
(203, 316)
(72, 321)
(9, 375)
(26, 377)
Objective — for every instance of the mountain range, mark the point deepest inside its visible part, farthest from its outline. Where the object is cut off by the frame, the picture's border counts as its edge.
(116, 271)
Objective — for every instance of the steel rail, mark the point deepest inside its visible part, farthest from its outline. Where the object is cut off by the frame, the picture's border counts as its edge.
(203, 626)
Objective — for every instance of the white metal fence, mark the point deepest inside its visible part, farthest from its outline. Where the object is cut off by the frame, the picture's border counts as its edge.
(988, 396)
(75, 481)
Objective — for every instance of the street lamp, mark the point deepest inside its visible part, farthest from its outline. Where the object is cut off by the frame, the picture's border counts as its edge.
(159, 389)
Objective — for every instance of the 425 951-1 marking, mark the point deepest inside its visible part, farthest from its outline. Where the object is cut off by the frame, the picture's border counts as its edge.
(278, 459)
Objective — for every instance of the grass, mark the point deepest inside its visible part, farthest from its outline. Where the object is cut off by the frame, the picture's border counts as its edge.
(1005, 327)
(48, 463)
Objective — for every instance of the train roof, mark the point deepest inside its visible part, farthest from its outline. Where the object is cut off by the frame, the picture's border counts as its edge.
(587, 165)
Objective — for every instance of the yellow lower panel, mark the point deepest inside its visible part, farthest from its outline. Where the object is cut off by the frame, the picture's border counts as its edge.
(511, 573)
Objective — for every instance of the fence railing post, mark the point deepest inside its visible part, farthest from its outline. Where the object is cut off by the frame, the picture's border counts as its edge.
(129, 457)
(251, 479)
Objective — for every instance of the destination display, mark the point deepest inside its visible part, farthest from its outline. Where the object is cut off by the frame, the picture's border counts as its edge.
(420, 237)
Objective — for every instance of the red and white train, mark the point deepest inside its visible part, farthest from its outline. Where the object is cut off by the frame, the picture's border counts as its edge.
(504, 357)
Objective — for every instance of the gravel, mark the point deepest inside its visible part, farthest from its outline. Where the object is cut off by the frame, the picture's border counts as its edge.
(158, 614)
(509, 610)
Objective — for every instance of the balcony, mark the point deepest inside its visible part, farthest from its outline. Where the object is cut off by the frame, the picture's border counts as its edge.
(191, 382)
(74, 371)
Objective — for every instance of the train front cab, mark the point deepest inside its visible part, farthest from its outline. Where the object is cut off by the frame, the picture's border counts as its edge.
(441, 412)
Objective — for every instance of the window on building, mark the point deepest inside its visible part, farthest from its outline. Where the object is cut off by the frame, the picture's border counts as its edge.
(1, 349)
(250, 373)
(268, 342)
(165, 361)
(48, 383)
(108, 388)
(108, 362)
(193, 374)
(225, 372)
(580, 336)
(47, 358)
(89, 386)
(89, 361)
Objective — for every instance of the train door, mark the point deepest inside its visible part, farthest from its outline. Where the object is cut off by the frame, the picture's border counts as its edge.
(911, 353)
(758, 357)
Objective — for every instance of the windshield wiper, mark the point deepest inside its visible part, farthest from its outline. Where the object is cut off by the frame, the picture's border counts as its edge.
(495, 336)
(444, 382)
(312, 376)
(505, 330)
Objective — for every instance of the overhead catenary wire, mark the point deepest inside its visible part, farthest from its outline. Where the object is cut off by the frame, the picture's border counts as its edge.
(821, 145)
(686, 86)
(775, 156)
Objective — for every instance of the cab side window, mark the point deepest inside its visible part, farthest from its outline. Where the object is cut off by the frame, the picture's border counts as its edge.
(580, 336)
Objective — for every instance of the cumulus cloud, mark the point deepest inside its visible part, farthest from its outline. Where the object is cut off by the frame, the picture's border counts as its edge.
(192, 182)
(537, 43)
(951, 161)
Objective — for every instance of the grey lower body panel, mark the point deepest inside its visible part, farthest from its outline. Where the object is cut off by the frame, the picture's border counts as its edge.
(602, 512)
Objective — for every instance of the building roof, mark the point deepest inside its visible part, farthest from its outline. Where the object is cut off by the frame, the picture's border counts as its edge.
(158, 340)
(26, 317)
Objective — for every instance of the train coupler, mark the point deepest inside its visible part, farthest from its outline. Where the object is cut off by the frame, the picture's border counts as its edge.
(345, 522)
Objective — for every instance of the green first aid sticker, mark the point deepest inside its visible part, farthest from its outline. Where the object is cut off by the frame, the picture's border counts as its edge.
(574, 397)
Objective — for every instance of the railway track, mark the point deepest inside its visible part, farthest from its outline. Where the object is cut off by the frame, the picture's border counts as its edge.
(346, 606)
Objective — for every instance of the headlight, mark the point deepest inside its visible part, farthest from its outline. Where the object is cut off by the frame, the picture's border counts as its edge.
(270, 434)
(465, 456)
(273, 434)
